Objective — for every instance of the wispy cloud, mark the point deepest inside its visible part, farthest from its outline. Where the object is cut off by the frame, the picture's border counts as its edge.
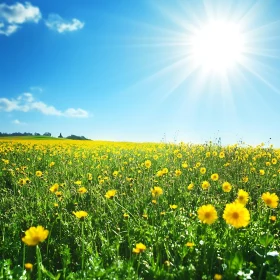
(26, 103)
(18, 122)
(57, 23)
(13, 16)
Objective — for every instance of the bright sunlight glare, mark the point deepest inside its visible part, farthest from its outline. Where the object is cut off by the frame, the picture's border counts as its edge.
(217, 46)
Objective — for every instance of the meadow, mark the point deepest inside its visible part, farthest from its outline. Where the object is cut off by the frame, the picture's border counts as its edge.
(108, 210)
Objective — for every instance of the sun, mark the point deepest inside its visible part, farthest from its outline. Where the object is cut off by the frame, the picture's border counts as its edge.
(217, 46)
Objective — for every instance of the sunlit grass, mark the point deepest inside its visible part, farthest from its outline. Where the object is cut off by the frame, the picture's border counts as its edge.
(128, 211)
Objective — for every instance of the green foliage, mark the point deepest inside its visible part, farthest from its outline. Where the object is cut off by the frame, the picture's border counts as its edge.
(100, 245)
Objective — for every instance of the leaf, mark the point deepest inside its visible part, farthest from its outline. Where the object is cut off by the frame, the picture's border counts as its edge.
(236, 261)
(265, 240)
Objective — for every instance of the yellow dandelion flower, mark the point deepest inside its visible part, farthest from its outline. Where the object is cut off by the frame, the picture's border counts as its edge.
(208, 154)
(80, 214)
(271, 200)
(110, 193)
(272, 218)
(51, 164)
(274, 161)
(218, 277)
(139, 248)
(35, 235)
(215, 177)
(190, 186)
(22, 182)
(202, 170)
(165, 170)
(148, 163)
(184, 165)
(207, 214)
(189, 244)
(245, 179)
(125, 215)
(178, 172)
(54, 188)
(262, 172)
(205, 185)
(237, 215)
(39, 173)
(242, 197)
(156, 191)
(154, 201)
(82, 190)
(78, 183)
(221, 154)
(145, 216)
(173, 206)
(226, 187)
(28, 266)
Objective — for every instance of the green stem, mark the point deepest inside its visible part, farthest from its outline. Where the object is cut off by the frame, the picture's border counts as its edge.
(39, 263)
(83, 246)
(23, 257)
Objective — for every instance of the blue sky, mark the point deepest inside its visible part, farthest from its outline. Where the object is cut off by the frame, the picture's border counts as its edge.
(132, 70)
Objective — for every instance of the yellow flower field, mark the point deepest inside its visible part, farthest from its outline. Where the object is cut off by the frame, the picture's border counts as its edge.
(108, 210)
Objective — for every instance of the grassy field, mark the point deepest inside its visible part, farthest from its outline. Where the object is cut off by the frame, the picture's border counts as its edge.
(106, 210)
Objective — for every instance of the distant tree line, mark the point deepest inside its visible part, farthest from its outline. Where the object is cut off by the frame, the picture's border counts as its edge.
(74, 137)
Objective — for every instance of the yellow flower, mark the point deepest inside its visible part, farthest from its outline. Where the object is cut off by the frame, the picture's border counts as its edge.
(39, 173)
(207, 214)
(218, 277)
(156, 191)
(272, 218)
(262, 172)
(221, 155)
(237, 215)
(189, 244)
(125, 215)
(226, 187)
(274, 161)
(115, 173)
(184, 165)
(159, 173)
(215, 177)
(190, 186)
(35, 235)
(242, 197)
(202, 170)
(82, 190)
(28, 266)
(178, 172)
(208, 154)
(139, 248)
(22, 182)
(205, 185)
(145, 216)
(154, 201)
(89, 176)
(79, 183)
(148, 163)
(54, 188)
(80, 214)
(110, 193)
(271, 200)
(58, 193)
(173, 206)
(245, 179)
(51, 164)
(165, 170)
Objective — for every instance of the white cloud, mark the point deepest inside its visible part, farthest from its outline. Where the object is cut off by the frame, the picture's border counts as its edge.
(26, 103)
(18, 122)
(56, 22)
(13, 16)
(8, 30)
